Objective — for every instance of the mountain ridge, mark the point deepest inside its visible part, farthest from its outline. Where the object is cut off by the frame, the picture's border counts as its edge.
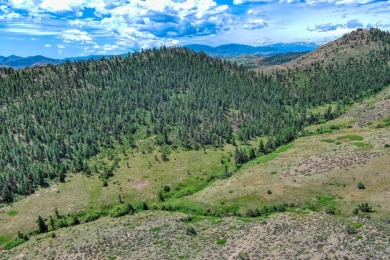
(223, 51)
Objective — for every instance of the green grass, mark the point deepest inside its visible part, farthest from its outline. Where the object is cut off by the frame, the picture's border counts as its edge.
(269, 157)
(221, 241)
(362, 144)
(246, 220)
(328, 140)
(325, 201)
(12, 213)
(386, 123)
(351, 137)
(155, 229)
(14, 243)
(4, 239)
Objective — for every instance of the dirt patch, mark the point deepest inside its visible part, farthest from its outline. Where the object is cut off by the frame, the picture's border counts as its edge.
(367, 113)
(381, 141)
(323, 163)
(138, 184)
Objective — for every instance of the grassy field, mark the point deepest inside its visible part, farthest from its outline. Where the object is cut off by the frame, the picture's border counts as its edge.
(332, 164)
(139, 178)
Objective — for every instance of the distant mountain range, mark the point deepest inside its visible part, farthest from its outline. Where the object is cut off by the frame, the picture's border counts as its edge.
(233, 50)
(223, 51)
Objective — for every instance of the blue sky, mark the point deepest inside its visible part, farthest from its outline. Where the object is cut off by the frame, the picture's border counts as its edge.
(66, 28)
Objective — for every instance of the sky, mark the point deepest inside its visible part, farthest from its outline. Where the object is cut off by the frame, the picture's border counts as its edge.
(69, 28)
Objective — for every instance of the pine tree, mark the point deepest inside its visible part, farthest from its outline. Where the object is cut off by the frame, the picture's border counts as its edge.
(42, 227)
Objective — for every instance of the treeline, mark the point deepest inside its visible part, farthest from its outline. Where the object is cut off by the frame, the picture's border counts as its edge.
(56, 117)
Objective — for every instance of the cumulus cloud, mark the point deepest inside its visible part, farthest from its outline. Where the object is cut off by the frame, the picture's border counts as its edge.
(137, 23)
(76, 35)
(47, 46)
(61, 46)
(253, 24)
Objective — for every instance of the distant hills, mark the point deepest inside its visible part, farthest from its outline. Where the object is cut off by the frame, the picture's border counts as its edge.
(20, 62)
(233, 50)
(223, 51)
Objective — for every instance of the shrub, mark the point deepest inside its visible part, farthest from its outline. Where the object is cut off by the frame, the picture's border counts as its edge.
(187, 219)
(281, 208)
(62, 223)
(121, 210)
(351, 230)
(364, 207)
(74, 221)
(91, 216)
(355, 211)
(221, 241)
(361, 186)
(191, 231)
(330, 211)
(249, 213)
(23, 236)
(269, 192)
(145, 206)
(14, 243)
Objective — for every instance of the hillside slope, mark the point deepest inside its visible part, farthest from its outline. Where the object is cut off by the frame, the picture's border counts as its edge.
(357, 45)
(175, 130)
(304, 175)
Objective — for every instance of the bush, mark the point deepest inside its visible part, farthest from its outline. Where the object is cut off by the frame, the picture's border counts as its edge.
(62, 223)
(351, 230)
(121, 210)
(221, 241)
(14, 243)
(191, 231)
(145, 206)
(330, 211)
(91, 216)
(74, 221)
(269, 192)
(361, 186)
(364, 207)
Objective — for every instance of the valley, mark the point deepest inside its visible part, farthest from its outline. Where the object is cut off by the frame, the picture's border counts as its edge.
(173, 154)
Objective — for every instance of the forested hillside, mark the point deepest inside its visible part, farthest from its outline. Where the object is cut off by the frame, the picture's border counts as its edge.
(56, 117)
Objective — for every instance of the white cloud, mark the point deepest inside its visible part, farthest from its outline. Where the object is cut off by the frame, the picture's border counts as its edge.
(10, 16)
(47, 46)
(61, 46)
(60, 5)
(59, 51)
(23, 4)
(253, 24)
(76, 35)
